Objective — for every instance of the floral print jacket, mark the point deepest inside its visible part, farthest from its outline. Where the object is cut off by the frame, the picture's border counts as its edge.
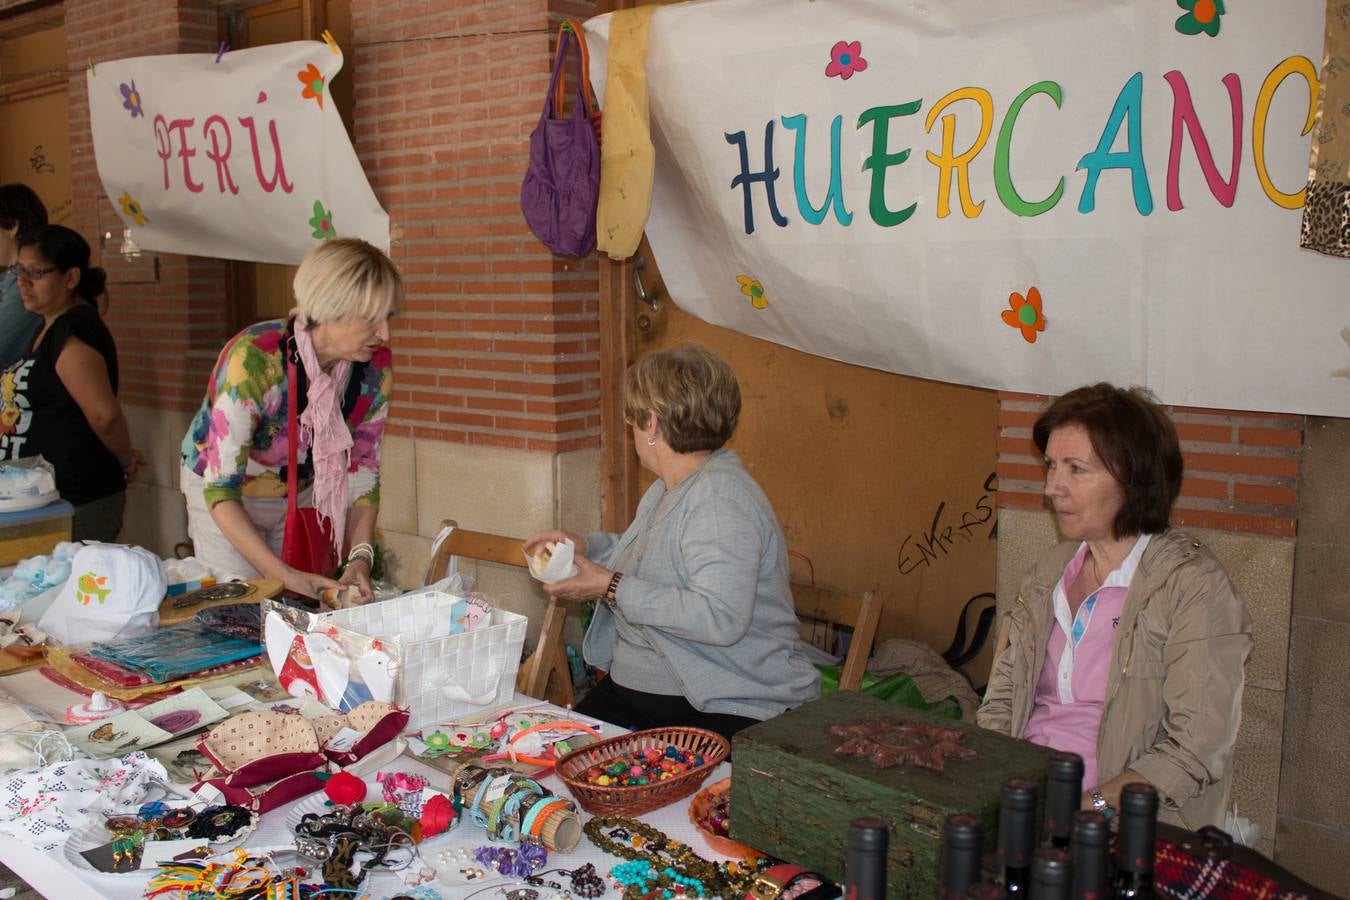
(237, 442)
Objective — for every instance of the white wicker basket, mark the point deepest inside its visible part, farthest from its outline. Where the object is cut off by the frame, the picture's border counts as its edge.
(445, 677)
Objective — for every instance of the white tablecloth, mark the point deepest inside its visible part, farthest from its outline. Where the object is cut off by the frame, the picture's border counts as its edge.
(55, 876)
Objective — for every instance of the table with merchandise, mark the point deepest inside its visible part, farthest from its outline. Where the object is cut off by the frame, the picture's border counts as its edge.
(450, 864)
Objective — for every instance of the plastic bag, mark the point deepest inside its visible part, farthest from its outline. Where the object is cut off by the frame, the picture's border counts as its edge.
(335, 665)
(897, 688)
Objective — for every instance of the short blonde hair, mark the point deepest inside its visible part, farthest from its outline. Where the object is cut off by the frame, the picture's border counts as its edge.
(692, 392)
(347, 278)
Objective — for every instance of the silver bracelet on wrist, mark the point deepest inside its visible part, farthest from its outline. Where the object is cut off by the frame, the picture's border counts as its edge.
(362, 550)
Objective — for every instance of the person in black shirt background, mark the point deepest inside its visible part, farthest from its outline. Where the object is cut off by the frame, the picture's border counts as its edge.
(60, 399)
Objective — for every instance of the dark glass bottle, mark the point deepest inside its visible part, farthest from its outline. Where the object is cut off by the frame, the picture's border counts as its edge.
(962, 837)
(1063, 796)
(1051, 877)
(1134, 844)
(1016, 834)
(1090, 854)
(865, 865)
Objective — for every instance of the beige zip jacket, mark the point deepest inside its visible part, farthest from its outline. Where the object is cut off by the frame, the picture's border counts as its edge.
(1174, 693)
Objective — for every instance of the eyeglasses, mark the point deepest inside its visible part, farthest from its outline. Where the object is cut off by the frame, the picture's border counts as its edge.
(32, 273)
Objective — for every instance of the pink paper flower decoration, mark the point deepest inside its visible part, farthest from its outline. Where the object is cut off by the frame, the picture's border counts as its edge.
(845, 59)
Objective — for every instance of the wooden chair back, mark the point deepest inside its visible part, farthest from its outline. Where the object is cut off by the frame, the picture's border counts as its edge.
(861, 613)
(548, 659)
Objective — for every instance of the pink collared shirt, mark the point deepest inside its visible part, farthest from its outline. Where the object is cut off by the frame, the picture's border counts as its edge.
(1071, 690)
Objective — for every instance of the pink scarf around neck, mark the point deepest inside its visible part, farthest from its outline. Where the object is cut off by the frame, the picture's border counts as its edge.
(326, 435)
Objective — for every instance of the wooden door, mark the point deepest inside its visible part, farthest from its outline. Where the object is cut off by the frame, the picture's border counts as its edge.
(34, 113)
(882, 481)
(263, 290)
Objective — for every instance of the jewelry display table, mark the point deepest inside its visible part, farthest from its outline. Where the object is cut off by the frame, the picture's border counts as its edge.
(54, 874)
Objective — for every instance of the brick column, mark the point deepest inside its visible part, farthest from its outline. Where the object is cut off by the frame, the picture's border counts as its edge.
(499, 344)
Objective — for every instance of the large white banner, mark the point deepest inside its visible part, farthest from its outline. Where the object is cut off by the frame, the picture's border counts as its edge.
(240, 155)
(1023, 195)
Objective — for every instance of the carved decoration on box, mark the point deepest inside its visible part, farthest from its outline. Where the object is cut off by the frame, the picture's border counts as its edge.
(889, 744)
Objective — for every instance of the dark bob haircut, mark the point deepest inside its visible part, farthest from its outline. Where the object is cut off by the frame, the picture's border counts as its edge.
(1136, 442)
(20, 206)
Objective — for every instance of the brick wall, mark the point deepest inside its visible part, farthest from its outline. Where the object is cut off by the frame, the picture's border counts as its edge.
(499, 344)
(161, 305)
(1242, 469)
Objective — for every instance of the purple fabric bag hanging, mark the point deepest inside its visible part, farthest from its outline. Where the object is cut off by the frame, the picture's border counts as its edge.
(562, 184)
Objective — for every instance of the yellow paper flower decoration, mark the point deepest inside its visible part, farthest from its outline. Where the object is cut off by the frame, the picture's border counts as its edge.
(751, 288)
(132, 209)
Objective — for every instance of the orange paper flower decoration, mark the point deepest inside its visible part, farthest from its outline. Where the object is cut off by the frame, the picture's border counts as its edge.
(312, 79)
(1025, 315)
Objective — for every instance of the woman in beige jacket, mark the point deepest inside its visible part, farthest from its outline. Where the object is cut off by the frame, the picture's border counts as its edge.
(1127, 642)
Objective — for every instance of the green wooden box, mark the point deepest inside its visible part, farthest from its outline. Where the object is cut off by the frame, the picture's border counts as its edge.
(792, 795)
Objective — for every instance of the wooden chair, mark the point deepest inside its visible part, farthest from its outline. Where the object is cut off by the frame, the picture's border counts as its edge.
(861, 613)
(533, 678)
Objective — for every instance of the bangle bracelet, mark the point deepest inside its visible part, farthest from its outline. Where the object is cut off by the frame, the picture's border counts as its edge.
(539, 814)
(505, 830)
(612, 590)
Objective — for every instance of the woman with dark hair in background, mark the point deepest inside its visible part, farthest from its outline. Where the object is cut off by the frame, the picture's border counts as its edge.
(60, 399)
(21, 213)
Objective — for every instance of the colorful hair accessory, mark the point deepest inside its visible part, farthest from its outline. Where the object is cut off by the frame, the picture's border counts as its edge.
(438, 814)
(345, 789)
(403, 790)
(438, 741)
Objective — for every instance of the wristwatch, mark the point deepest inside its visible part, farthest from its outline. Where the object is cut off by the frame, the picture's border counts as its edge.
(1099, 803)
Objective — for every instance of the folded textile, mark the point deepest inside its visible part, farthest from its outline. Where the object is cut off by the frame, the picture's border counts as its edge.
(111, 671)
(35, 575)
(241, 620)
(176, 652)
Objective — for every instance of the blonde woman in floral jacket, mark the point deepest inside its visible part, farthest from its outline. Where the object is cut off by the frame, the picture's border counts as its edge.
(1127, 643)
(236, 450)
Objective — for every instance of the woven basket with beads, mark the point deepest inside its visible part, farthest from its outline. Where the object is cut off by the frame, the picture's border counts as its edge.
(636, 799)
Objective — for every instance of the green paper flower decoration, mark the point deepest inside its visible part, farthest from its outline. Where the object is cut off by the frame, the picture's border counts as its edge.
(322, 222)
(1201, 15)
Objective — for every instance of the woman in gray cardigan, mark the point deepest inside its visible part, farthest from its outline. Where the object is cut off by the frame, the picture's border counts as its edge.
(696, 624)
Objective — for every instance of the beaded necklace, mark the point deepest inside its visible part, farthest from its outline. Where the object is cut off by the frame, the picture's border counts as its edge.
(672, 861)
